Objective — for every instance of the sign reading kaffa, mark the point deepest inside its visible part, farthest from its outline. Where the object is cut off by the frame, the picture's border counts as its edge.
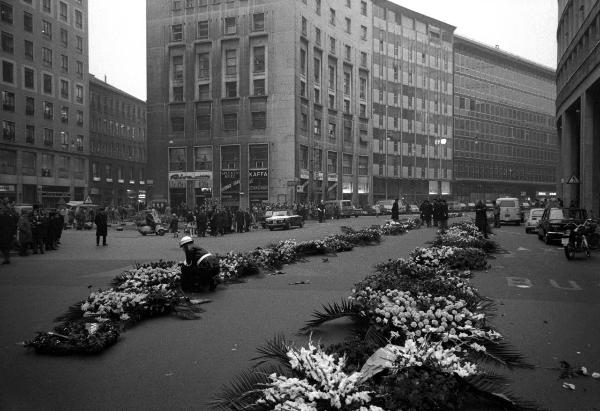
(258, 180)
(230, 181)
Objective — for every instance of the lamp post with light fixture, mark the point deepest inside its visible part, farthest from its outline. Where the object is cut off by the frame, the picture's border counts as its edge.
(440, 142)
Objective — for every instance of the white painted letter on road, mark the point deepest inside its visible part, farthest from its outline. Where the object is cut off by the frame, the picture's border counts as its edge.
(520, 282)
(574, 286)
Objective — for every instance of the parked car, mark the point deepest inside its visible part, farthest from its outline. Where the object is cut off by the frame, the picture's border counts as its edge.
(489, 205)
(344, 208)
(525, 205)
(454, 206)
(369, 210)
(552, 225)
(386, 206)
(471, 206)
(510, 211)
(283, 219)
(358, 211)
(414, 209)
(533, 219)
(262, 218)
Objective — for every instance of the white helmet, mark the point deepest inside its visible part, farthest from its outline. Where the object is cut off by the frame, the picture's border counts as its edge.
(185, 240)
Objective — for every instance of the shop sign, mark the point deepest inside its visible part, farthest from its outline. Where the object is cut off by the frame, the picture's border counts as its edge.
(189, 175)
(177, 183)
(304, 174)
(332, 177)
(94, 191)
(230, 181)
(318, 175)
(258, 180)
(7, 188)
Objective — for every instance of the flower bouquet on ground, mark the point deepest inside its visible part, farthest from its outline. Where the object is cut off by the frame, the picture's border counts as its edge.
(451, 257)
(235, 265)
(465, 235)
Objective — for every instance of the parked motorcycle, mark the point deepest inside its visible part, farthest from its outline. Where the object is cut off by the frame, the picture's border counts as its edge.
(579, 238)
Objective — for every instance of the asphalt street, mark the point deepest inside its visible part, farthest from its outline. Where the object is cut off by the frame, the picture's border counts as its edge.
(547, 307)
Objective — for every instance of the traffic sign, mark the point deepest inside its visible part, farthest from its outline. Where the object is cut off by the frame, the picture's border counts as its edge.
(88, 200)
(573, 180)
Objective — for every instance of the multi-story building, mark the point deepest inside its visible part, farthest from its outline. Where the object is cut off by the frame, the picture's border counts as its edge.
(252, 101)
(577, 102)
(118, 149)
(412, 103)
(44, 77)
(505, 142)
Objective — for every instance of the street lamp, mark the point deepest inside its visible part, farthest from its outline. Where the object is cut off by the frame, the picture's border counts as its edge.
(440, 142)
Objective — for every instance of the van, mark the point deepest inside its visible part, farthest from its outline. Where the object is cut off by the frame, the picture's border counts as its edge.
(344, 206)
(510, 210)
(386, 206)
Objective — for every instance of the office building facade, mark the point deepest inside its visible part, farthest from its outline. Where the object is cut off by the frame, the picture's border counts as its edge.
(259, 101)
(505, 142)
(44, 77)
(578, 103)
(412, 104)
(118, 151)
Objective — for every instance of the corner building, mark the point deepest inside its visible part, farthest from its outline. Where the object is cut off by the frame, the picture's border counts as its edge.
(43, 81)
(412, 104)
(118, 146)
(578, 103)
(252, 101)
(505, 141)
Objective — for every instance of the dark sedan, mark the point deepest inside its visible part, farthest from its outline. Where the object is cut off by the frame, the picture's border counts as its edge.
(283, 219)
(553, 223)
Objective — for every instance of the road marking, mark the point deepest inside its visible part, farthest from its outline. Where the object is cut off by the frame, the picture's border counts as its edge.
(520, 282)
(574, 286)
(523, 249)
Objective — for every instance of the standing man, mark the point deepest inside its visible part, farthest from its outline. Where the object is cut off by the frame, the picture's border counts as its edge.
(101, 221)
(444, 216)
(481, 218)
(321, 210)
(200, 267)
(395, 210)
(8, 229)
(496, 214)
(201, 222)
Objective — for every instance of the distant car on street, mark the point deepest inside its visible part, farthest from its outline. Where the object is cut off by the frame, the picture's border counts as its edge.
(414, 209)
(533, 219)
(552, 225)
(471, 206)
(369, 210)
(283, 219)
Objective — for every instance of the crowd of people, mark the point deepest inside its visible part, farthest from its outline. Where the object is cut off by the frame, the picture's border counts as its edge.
(38, 230)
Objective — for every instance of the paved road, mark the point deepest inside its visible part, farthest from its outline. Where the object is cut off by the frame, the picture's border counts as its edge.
(168, 363)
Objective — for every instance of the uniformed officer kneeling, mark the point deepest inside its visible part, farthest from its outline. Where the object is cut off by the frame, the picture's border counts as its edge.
(200, 267)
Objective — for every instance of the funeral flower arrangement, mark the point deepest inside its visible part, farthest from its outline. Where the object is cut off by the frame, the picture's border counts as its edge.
(420, 331)
(465, 235)
(153, 289)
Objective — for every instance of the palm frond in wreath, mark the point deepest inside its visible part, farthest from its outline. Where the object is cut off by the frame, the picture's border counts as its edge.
(502, 353)
(330, 312)
(275, 349)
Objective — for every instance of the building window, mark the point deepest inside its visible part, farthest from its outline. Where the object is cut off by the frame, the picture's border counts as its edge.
(230, 62)
(204, 92)
(318, 36)
(79, 68)
(177, 93)
(348, 53)
(332, 17)
(331, 131)
(177, 124)
(259, 87)
(47, 56)
(317, 70)
(203, 29)
(203, 158)
(79, 93)
(29, 50)
(79, 46)
(259, 119)
(203, 66)
(29, 106)
(230, 25)
(348, 25)
(304, 26)
(363, 59)
(303, 62)
(47, 29)
(8, 130)
(28, 78)
(317, 95)
(29, 134)
(176, 5)
(258, 22)
(80, 118)
(363, 8)
(331, 102)
(64, 63)
(348, 131)
(64, 114)
(6, 13)
(177, 32)
(78, 19)
(259, 59)
(63, 11)
(177, 159)
(318, 7)
(317, 127)
(203, 122)
(64, 139)
(47, 6)
(8, 45)
(230, 121)
(331, 162)
(177, 68)
(347, 83)
(347, 106)
(28, 21)
(47, 165)
(347, 164)
(362, 110)
(47, 83)
(231, 89)
(363, 32)
(332, 77)
(79, 143)
(332, 45)
(48, 137)
(363, 88)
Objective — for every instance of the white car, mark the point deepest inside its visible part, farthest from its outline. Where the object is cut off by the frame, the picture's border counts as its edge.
(532, 220)
(283, 219)
(414, 209)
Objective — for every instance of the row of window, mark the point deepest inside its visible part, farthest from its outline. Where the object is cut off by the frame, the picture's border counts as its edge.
(107, 104)
(47, 83)
(50, 165)
(118, 150)
(108, 173)
(117, 129)
(8, 104)
(332, 12)
(258, 157)
(230, 27)
(503, 172)
(229, 122)
(500, 112)
(47, 56)
(317, 161)
(496, 131)
(396, 169)
(333, 44)
(497, 150)
(66, 141)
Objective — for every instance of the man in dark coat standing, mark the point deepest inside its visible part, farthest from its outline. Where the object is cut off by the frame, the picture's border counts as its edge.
(101, 221)
(8, 229)
(395, 210)
(444, 216)
(481, 218)
(201, 222)
(426, 212)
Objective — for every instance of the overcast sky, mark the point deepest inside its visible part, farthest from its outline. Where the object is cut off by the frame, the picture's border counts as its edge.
(526, 28)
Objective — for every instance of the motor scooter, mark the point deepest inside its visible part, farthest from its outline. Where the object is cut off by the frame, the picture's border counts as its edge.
(575, 239)
(150, 226)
